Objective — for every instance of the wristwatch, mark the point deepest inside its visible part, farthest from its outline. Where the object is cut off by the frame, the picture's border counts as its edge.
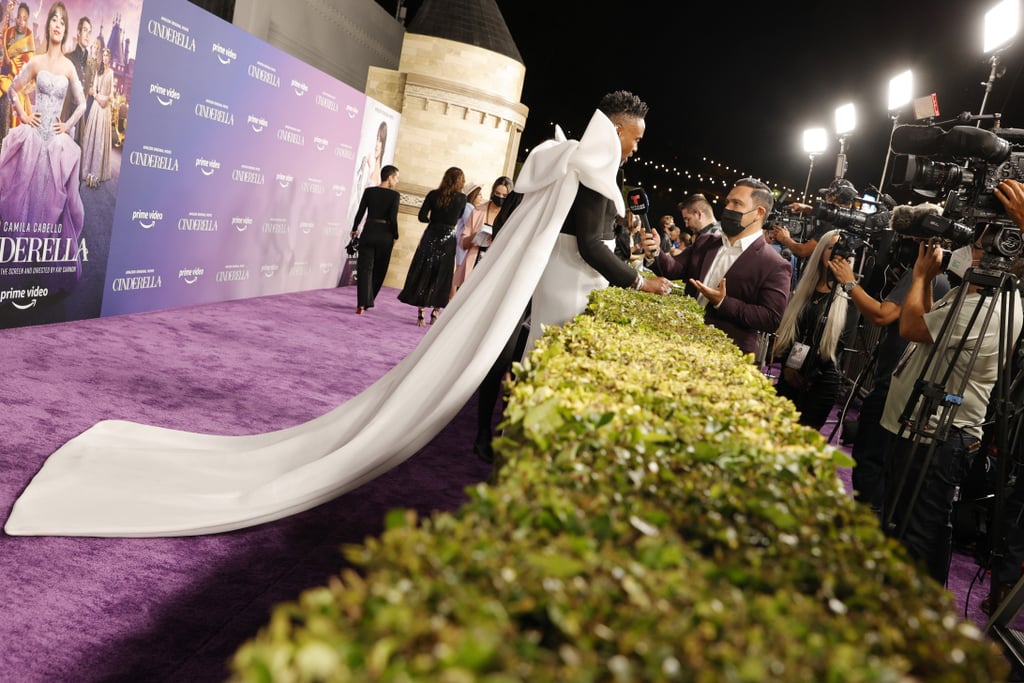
(848, 286)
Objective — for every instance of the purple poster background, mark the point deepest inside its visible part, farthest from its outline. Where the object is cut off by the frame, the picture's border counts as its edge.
(39, 283)
(238, 171)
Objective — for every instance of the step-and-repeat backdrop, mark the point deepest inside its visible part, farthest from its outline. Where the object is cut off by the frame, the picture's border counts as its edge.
(208, 165)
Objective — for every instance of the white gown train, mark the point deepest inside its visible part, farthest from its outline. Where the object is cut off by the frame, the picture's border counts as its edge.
(120, 478)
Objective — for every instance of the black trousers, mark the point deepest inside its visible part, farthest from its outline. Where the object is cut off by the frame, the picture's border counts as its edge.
(869, 448)
(372, 265)
(490, 388)
(928, 535)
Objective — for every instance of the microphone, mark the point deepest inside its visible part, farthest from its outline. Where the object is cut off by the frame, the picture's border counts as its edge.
(921, 140)
(907, 219)
(975, 142)
(636, 202)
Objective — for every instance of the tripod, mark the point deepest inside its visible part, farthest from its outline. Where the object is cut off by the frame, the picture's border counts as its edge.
(944, 385)
(869, 347)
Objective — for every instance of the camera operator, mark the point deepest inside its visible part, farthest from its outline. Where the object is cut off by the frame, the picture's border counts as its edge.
(870, 442)
(840, 192)
(927, 524)
(1006, 567)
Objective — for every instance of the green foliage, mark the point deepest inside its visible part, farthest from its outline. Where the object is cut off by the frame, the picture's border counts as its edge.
(658, 515)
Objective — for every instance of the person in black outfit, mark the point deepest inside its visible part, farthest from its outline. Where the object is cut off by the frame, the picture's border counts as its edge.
(490, 387)
(429, 281)
(588, 234)
(380, 205)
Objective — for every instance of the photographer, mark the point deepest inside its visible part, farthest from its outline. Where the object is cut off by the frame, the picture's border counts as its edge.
(927, 526)
(870, 442)
(840, 192)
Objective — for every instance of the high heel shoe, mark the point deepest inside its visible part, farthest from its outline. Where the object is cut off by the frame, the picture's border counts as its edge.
(359, 310)
(433, 316)
(419, 319)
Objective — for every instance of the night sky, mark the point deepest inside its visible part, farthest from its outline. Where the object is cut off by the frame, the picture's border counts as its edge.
(740, 89)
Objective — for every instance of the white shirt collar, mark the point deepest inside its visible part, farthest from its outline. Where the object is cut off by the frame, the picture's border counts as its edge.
(742, 243)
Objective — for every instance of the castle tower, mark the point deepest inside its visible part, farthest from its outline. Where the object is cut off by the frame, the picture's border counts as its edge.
(457, 88)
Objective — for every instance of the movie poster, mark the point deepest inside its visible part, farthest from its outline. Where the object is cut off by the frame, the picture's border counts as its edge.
(237, 177)
(58, 185)
(241, 160)
(376, 150)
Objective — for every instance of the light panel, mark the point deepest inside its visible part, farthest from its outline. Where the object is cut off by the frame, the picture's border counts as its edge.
(1001, 24)
(901, 89)
(815, 140)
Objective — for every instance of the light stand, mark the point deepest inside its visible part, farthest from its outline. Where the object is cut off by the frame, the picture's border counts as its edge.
(900, 89)
(846, 121)
(1001, 23)
(810, 168)
(888, 152)
(995, 73)
(841, 158)
(815, 142)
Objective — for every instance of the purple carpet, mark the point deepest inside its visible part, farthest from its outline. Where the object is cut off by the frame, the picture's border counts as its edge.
(84, 610)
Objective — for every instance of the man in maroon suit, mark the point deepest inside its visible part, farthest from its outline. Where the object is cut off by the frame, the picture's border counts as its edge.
(741, 281)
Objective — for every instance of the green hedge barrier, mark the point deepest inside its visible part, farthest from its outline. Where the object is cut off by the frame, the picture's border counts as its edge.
(656, 514)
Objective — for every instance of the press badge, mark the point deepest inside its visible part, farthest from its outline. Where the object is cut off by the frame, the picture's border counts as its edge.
(797, 355)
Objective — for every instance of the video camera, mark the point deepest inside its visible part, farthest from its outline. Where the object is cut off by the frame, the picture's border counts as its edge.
(966, 163)
(866, 221)
(798, 225)
(860, 224)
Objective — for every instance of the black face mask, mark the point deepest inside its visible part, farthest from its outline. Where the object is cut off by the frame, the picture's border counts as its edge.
(496, 200)
(732, 222)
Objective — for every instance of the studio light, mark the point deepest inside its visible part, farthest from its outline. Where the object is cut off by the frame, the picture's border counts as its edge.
(815, 140)
(901, 91)
(846, 121)
(1001, 24)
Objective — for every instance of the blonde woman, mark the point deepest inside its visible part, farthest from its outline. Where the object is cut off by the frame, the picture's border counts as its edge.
(811, 338)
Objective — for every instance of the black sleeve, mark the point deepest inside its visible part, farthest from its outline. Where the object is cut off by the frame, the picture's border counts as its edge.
(360, 211)
(622, 244)
(393, 215)
(428, 202)
(591, 213)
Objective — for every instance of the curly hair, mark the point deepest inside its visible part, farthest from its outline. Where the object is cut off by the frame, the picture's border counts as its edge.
(623, 103)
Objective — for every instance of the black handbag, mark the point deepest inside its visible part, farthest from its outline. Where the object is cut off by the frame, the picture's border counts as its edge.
(352, 247)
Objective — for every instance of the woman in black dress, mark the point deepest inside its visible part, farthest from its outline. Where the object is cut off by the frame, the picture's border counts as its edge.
(380, 204)
(429, 281)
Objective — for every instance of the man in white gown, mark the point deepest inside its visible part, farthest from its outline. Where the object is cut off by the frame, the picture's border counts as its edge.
(120, 478)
